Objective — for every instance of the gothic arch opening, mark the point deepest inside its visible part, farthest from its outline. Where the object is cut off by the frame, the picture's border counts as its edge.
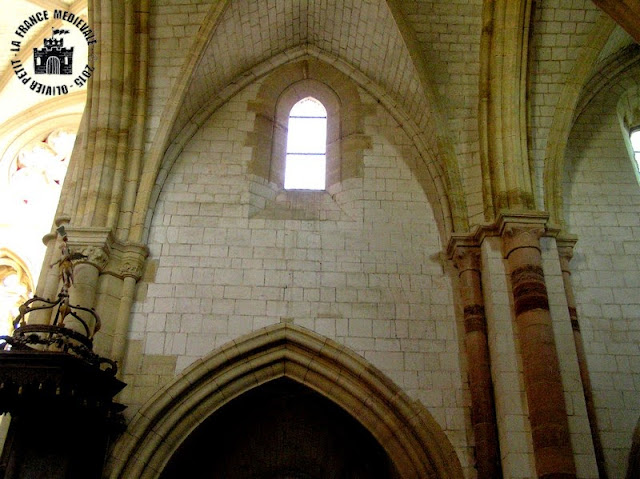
(280, 430)
(16, 286)
(338, 380)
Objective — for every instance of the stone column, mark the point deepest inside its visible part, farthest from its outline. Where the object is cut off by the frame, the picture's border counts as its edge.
(541, 367)
(483, 416)
(94, 243)
(49, 283)
(131, 266)
(566, 253)
(83, 293)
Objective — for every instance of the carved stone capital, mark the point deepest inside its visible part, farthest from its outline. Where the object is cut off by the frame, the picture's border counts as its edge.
(521, 236)
(106, 253)
(565, 257)
(464, 250)
(131, 269)
(467, 258)
(127, 260)
(94, 243)
(96, 256)
(522, 229)
(565, 250)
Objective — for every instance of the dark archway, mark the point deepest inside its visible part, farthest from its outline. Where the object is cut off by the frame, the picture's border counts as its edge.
(413, 441)
(280, 430)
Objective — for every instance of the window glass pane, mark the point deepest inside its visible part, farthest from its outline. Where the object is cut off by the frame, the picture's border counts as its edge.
(635, 140)
(308, 107)
(307, 135)
(305, 167)
(305, 172)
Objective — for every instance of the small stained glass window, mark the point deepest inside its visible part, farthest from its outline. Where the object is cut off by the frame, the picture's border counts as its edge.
(306, 160)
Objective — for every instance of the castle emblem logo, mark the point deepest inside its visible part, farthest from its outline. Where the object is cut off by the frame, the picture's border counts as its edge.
(59, 63)
(53, 58)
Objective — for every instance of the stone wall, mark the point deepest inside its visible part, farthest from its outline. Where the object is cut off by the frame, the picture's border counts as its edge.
(602, 198)
(366, 272)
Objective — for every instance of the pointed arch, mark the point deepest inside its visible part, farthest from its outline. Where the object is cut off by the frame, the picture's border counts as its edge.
(445, 139)
(617, 76)
(565, 114)
(12, 295)
(306, 150)
(174, 130)
(439, 191)
(413, 440)
(61, 110)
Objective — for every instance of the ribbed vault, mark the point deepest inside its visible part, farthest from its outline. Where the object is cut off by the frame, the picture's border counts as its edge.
(565, 114)
(616, 78)
(241, 40)
(362, 33)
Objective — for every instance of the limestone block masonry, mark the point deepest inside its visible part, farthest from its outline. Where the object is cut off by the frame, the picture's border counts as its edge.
(366, 273)
(466, 286)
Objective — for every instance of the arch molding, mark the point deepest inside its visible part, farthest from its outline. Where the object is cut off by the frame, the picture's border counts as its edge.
(413, 440)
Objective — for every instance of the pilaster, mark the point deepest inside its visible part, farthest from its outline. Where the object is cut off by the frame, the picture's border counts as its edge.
(565, 250)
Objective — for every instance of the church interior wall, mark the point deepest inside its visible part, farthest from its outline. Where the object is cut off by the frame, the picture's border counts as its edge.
(601, 206)
(424, 97)
(366, 273)
(560, 32)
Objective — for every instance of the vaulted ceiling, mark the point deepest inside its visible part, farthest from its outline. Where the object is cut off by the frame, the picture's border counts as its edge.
(420, 58)
(362, 34)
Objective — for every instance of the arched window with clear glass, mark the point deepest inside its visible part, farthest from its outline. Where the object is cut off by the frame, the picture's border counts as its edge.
(306, 159)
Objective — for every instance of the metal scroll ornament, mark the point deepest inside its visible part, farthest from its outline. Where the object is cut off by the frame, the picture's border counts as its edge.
(55, 336)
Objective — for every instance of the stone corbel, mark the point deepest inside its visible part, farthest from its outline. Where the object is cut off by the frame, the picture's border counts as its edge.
(566, 243)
